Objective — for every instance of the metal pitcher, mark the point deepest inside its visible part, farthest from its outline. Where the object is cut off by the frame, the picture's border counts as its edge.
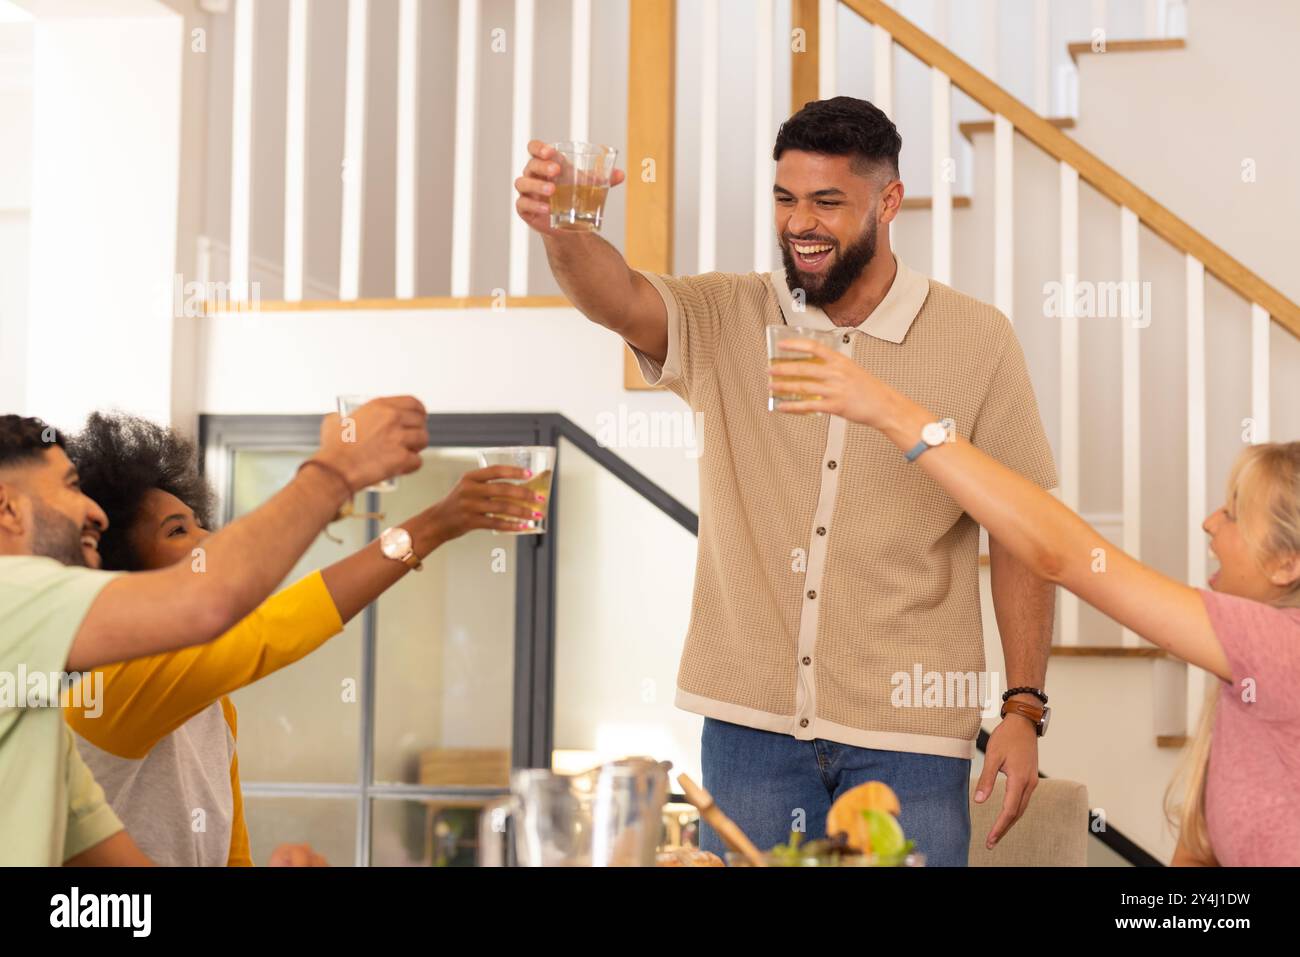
(610, 816)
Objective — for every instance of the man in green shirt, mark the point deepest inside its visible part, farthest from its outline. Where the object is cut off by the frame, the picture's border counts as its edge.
(60, 615)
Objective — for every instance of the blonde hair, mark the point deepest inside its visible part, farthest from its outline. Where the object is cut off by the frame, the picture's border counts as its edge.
(1264, 487)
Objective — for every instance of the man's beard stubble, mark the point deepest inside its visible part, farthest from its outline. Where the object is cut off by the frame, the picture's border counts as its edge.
(839, 278)
(57, 536)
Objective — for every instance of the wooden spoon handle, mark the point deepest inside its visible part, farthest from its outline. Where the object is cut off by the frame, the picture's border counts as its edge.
(727, 829)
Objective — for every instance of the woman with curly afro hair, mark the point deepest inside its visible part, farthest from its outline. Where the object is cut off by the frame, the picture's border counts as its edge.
(164, 743)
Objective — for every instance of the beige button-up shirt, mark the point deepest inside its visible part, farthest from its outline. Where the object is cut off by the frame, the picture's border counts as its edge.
(835, 582)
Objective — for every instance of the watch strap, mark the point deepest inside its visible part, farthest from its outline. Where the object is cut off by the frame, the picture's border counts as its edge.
(915, 451)
(1026, 710)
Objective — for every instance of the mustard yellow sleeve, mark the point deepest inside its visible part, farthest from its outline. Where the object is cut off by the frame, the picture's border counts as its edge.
(240, 853)
(146, 699)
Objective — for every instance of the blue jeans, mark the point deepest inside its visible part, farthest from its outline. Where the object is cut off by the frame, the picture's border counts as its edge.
(762, 780)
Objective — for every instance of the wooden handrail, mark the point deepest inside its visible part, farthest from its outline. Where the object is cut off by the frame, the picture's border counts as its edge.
(1090, 167)
(1125, 46)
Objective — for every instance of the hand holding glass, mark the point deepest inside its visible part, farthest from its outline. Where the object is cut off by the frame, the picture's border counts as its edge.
(540, 460)
(347, 405)
(775, 353)
(586, 173)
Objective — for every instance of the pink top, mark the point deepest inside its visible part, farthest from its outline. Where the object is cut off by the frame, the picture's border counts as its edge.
(1252, 788)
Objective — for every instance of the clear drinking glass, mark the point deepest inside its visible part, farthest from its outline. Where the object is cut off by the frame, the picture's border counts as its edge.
(538, 458)
(347, 405)
(578, 202)
(610, 816)
(775, 353)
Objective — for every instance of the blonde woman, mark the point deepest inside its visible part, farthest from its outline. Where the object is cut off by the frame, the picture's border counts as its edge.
(1242, 799)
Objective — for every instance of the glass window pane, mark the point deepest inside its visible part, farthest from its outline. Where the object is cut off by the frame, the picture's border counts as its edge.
(425, 832)
(445, 648)
(298, 724)
(328, 824)
(623, 599)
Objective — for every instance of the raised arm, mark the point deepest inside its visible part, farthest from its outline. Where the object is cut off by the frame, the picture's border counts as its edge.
(150, 612)
(1054, 542)
(146, 699)
(591, 272)
(480, 500)
(1061, 547)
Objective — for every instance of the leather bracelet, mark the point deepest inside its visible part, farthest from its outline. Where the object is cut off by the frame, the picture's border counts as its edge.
(1006, 695)
(346, 506)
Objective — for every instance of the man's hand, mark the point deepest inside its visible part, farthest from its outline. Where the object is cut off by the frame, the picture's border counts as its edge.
(537, 184)
(1013, 750)
(297, 855)
(482, 500)
(381, 439)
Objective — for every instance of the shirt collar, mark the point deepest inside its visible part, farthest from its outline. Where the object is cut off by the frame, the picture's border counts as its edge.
(889, 321)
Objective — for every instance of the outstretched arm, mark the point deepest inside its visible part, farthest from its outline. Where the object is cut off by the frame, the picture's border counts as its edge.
(146, 699)
(480, 500)
(151, 612)
(592, 273)
(1029, 522)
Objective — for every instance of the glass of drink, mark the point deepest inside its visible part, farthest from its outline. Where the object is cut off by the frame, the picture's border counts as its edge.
(540, 459)
(578, 202)
(347, 405)
(775, 353)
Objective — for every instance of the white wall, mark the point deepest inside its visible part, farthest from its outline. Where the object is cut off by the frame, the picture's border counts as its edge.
(15, 204)
(476, 360)
(105, 158)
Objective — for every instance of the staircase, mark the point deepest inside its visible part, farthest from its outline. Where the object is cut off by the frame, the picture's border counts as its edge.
(1145, 407)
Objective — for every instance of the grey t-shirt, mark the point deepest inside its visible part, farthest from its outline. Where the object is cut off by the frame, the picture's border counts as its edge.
(176, 801)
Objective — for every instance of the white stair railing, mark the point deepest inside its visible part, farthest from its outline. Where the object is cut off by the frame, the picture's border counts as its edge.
(1134, 320)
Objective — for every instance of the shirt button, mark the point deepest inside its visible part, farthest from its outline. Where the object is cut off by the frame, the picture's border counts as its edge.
(812, 594)
(803, 722)
(830, 464)
(846, 338)
(807, 660)
(821, 529)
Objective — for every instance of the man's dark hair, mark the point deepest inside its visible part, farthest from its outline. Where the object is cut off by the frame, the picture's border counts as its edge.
(843, 126)
(120, 458)
(23, 440)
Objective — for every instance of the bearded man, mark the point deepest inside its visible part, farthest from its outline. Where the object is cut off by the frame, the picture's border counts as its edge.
(830, 569)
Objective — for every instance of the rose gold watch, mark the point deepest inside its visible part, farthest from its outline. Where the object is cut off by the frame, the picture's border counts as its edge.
(396, 544)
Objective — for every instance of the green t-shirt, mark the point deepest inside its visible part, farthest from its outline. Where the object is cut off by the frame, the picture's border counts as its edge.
(51, 808)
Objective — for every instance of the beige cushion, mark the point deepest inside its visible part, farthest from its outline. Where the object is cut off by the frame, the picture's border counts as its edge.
(1052, 833)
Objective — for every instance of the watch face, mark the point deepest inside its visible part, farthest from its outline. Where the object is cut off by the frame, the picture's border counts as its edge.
(1042, 727)
(395, 543)
(934, 434)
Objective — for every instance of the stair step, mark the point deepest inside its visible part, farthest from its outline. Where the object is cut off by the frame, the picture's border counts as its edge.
(1107, 651)
(971, 127)
(1125, 46)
